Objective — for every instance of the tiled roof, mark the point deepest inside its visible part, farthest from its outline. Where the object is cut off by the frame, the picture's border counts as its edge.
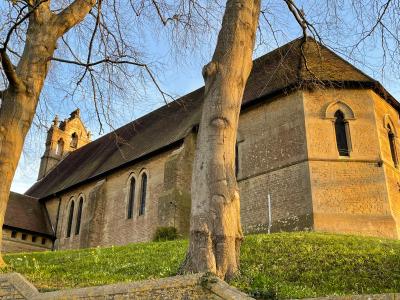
(294, 65)
(26, 213)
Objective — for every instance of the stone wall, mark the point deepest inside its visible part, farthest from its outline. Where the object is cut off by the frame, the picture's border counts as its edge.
(190, 287)
(104, 219)
(175, 201)
(272, 160)
(349, 193)
(112, 227)
(386, 115)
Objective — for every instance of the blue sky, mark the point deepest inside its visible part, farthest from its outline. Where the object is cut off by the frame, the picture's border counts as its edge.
(179, 73)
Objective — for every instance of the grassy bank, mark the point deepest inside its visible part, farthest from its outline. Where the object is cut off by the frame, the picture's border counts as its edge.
(298, 265)
(283, 265)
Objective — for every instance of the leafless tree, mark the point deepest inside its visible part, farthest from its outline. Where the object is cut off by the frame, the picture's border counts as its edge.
(97, 41)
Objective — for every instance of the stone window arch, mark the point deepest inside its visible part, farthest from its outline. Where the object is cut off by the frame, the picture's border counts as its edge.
(334, 106)
(131, 196)
(74, 140)
(79, 215)
(143, 192)
(70, 217)
(388, 122)
(60, 147)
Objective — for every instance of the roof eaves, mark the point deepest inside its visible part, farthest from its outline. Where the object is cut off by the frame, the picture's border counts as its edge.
(49, 235)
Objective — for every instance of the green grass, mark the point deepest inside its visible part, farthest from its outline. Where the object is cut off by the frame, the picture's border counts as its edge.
(283, 265)
(298, 265)
(97, 266)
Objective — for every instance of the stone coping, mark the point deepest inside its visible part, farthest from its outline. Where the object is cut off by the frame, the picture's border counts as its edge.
(194, 286)
(187, 287)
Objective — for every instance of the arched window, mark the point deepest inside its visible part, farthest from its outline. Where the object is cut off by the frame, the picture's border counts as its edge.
(60, 147)
(392, 144)
(70, 218)
(79, 216)
(341, 129)
(74, 140)
(143, 191)
(131, 199)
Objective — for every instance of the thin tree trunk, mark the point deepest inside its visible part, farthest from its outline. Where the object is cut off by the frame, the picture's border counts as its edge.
(215, 229)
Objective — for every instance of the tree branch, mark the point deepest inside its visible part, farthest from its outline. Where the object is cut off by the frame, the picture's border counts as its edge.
(92, 38)
(378, 22)
(301, 19)
(159, 13)
(117, 62)
(73, 14)
(9, 70)
(298, 15)
(19, 22)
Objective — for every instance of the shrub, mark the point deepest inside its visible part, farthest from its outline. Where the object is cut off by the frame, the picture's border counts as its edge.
(165, 234)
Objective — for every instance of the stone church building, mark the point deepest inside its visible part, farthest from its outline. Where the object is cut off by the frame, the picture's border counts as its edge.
(317, 149)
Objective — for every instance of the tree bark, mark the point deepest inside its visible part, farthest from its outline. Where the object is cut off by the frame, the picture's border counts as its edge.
(19, 100)
(215, 229)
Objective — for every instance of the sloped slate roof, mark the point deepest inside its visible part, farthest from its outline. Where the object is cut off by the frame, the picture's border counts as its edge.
(294, 65)
(26, 213)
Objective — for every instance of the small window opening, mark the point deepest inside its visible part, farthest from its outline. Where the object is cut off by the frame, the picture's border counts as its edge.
(13, 234)
(43, 241)
(131, 199)
(392, 143)
(79, 217)
(70, 217)
(342, 138)
(23, 236)
(143, 194)
(33, 239)
(74, 140)
(60, 147)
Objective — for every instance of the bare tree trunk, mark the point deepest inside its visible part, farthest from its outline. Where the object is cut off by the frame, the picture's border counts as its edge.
(215, 229)
(15, 120)
(19, 100)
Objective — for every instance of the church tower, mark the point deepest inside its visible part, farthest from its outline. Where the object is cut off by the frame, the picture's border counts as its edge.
(63, 138)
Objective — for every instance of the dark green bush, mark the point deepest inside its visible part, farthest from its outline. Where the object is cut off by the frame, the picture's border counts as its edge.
(165, 234)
